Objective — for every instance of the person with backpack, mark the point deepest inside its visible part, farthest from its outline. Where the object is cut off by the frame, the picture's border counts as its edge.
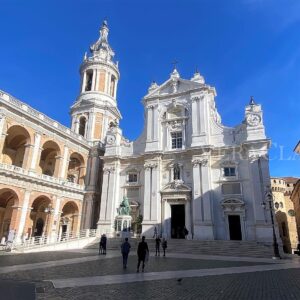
(164, 245)
(125, 249)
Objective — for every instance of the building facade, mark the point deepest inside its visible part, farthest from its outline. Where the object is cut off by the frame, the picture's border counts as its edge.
(188, 170)
(282, 189)
(51, 175)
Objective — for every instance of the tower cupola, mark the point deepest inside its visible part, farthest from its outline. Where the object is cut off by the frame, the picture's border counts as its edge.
(96, 105)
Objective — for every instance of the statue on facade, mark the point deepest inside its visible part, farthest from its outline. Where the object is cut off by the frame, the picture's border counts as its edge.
(124, 209)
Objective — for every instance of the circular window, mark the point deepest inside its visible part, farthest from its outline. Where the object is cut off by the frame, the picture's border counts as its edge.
(276, 205)
(291, 213)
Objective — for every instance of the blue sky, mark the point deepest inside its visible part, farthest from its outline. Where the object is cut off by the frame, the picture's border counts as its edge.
(243, 48)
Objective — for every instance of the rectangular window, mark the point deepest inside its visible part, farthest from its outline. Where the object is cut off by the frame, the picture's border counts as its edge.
(231, 188)
(132, 177)
(229, 171)
(176, 140)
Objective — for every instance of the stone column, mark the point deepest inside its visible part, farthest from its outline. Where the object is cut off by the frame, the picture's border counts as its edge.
(25, 209)
(83, 82)
(77, 124)
(202, 208)
(64, 167)
(2, 133)
(27, 156)
(149, 122)
(260, 179)
(58, 165)
(94, 80)
(110, 198)
(36, 151)
(195, 116)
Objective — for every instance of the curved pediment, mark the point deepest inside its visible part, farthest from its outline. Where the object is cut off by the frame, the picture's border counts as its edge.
(176, 186)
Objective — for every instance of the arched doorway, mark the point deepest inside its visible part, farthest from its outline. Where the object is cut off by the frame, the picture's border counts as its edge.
(14, 150)
(69, 218)
(76, 169)
(8, 200)
(49, 159)
(40, 219)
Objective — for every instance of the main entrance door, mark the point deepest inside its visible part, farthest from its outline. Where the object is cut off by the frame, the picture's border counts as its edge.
(177, 221)
(235, 231)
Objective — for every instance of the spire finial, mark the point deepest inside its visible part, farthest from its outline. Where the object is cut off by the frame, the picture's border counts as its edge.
(252, 102)
(174, 63)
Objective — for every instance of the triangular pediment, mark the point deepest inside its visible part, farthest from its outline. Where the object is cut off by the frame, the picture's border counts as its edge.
(171, 87)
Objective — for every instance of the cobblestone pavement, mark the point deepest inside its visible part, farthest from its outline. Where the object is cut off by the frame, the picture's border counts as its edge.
(276, 284)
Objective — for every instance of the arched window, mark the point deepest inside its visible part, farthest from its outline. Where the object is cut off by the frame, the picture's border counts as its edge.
(176, 172)
(82, 123)
(112, 85)
(89, 80)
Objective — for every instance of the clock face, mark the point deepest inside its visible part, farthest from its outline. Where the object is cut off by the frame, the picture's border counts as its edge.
(110, 139)
(253, 119)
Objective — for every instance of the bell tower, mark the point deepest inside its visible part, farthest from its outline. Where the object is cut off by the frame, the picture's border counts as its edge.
(96, 106)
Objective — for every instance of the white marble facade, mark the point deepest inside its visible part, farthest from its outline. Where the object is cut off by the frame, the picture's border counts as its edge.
(188, 169)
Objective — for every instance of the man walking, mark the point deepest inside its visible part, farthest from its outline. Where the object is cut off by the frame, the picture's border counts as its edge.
(157, 246)
(125, 248)
(102, 248)
(164, 245)
(142, 251)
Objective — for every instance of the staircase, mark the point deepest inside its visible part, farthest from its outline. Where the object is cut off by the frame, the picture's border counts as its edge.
(215, 247)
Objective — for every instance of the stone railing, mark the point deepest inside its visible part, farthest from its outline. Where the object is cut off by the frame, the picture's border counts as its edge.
(38, 115)
(46, 178)
(54, 239)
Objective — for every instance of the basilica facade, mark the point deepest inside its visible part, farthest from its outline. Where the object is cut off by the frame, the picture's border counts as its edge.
(185, 171)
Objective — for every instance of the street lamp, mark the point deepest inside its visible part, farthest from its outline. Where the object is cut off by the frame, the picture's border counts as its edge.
(269, 199)
(49, 210)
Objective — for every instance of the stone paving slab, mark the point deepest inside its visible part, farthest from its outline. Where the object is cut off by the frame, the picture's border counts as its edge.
(12, 290)
(271, 285)
(113, 266)
(24, 258)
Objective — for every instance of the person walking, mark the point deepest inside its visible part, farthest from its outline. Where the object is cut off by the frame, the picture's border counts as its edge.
(125, 248)
(142, 251)
(164, 245)
(157, 246)
(155, 232)
(100, 245)
(103, 241)
(186, 232)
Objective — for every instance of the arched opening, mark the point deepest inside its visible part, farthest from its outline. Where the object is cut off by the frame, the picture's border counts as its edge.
(14, 149)
(40, 219)
(49, 159)
(76, 169)
(89, 80)
(8, 200)
(82, 125)
(112, 86)
(69, 219)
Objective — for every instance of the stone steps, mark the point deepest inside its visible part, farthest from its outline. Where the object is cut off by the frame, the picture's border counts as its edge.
(216, 247)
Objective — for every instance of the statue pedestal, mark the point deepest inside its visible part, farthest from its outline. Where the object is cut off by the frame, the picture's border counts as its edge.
(123, 225)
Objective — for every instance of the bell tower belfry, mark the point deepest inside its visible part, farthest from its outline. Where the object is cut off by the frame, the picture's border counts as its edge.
(92, 113)
(96, 105)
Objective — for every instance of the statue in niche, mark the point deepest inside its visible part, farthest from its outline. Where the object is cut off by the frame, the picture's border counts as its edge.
(124, 209)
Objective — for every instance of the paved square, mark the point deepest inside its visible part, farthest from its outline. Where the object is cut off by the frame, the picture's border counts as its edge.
(83, 274)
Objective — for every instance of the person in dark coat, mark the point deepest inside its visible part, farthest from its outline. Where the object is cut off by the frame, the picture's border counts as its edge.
(164, 245)
(125, 248)
(142, 251)
(103, 241)
(157, 246)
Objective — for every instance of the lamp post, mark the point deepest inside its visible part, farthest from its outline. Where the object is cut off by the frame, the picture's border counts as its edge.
(269, 199)
(49, 210)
